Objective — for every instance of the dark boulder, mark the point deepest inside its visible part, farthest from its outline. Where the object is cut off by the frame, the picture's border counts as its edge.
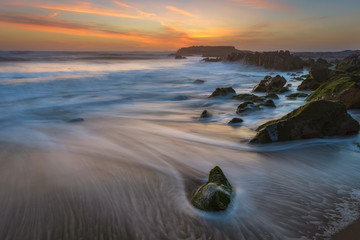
(270, 84)
(319, 73)
(269, 103)
(222, 92)
(235, 121)
(217, 59)
(215, 195)
(350, 64)
(246, 107)
(316, 119)
(272, 96)
(248, 97)
(308, 84)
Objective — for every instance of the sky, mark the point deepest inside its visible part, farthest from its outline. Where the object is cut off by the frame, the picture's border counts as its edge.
(142, 25)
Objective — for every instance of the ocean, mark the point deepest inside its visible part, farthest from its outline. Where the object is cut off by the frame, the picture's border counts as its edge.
(109, 145)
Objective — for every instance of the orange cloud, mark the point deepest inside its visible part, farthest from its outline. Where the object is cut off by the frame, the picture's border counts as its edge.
(264, 4)
(85, 7)
(53, 14)
(142, 13)
(174, 9)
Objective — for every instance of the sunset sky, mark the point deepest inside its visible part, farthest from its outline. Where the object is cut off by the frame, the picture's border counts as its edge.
(296, 25)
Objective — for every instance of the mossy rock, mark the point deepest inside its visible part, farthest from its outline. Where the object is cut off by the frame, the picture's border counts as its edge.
(269, 103)
(297, 95)
(270, 84)
(249, 97)
(215, 195)
(308, 84)
(272, 96)
(221, 92)
(316, 119)
(341, 86)
(247, 106)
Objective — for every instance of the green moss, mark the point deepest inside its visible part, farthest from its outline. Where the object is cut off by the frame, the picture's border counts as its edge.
(335, 86)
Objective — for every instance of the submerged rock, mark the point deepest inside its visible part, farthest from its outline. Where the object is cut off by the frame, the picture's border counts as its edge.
(269, 103)
(316, 119)
(270, 84)
(235, 121)
(249, 97)
(222, 92)
(247, 106)
(272, 96)
(297, 95)
(205, 114)
(215, 195)
(199, 81)
(76, 120)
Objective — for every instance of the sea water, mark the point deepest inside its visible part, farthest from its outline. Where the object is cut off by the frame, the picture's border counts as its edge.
(129, 169)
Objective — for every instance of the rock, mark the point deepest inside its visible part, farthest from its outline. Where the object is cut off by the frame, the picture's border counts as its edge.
(308, 84)
(319, 73)
(75, 120)
(205, 114)
(269, 103)
(289, 85)
(217, 59)
(341, 87)
(350, 64)
(207, 51)
(247, 106)
(199, 81)
(235, 121)
(222, 92)
(270, 84)
(272, 95)
(215, 195)
(179, 57)
(297, 95)
(283, 90)
(249, 97)
(316, 119)
(280, 60)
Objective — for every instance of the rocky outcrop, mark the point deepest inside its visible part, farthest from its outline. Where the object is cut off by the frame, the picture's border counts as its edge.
(318, 74)
(343, 85)
(271, 84)
(215, 195)
(207, 51)
(280, 60)
(222, 92)
(316, 119)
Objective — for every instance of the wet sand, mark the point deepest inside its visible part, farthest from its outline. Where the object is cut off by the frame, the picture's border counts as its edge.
(352, 232)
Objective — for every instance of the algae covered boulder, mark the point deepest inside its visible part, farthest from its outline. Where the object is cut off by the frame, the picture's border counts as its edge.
(248, 97)
(316, 119)
(215, 195)
(222, 92)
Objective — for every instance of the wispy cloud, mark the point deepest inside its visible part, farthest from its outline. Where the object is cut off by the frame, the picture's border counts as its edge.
(140, 12)
(265, 4)
(89, 8)
(177, 10)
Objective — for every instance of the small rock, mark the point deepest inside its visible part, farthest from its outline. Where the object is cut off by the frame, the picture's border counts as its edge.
(199, 81)
(205, 114)
(75, 120)
(247, 106)
(248, 97)
(179, 57)
(270, 84)
(235, 121)
(272, 95)
(215, 195)
(222, 92)
(269, 103)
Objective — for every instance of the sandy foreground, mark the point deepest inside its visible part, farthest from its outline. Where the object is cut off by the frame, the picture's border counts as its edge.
(352, 232)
